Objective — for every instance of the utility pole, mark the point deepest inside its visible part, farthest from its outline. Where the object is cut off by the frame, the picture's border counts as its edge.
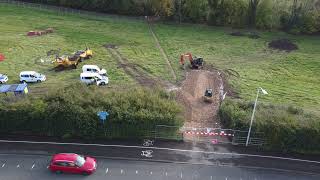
(253, 112)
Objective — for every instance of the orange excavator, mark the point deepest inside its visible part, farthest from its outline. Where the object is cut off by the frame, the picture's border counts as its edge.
(195, 62)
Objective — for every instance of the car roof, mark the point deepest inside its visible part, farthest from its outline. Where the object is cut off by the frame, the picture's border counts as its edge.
(89, 74)
(64, 157)
(27, 72)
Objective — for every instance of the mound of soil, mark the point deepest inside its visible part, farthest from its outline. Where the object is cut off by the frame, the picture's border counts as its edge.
(254, 35)
(237, 33)
(283, 44)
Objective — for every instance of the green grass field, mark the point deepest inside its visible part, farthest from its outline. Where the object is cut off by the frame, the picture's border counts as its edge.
(290, 78)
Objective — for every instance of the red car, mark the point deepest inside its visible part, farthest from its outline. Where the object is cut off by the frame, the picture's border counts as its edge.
(72, 163)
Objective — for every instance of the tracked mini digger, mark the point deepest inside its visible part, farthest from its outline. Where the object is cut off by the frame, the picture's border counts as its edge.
(195, 62)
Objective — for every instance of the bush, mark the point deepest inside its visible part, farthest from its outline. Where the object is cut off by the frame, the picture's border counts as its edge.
(72, 112)
(227, 13)
(286, 129)
(265, 19)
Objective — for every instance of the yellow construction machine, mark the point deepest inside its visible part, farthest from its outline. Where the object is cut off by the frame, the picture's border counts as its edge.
(72, 61)
(66, 62)
(84, 54)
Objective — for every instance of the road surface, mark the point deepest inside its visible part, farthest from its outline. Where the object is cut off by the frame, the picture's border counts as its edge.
(34, 167)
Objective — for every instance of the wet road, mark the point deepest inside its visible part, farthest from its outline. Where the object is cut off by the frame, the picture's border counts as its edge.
(34, 167)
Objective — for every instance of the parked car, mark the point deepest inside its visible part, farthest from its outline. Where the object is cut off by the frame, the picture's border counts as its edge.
(3, 78)
(72, 163)
(31, 76)
(94, 69)
(94, 78)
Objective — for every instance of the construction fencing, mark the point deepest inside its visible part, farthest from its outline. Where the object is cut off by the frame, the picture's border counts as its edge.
(222, 136)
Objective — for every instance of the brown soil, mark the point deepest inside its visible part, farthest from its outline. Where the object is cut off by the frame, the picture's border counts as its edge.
(283, 44)
(199, 114)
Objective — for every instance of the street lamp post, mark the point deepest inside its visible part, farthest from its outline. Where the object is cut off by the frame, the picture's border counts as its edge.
(254, 110)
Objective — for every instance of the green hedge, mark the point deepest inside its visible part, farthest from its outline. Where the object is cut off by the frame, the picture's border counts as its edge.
(286, 129)
(72, 112)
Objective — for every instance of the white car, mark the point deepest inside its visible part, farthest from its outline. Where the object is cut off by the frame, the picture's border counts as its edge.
(3, 78)
(31, 76)
(94, 78)
(94, 69)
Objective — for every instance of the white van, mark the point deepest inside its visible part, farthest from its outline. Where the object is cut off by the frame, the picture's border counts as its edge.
(3, 78)
(94, 69)
(31, 76)
(94, 78)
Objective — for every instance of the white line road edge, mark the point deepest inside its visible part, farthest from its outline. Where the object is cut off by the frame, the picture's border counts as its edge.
(159, 148)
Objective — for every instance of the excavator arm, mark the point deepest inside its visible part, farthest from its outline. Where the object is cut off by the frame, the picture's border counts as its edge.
(189, 55)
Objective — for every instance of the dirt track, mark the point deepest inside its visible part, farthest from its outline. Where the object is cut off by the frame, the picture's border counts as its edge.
(199, 114)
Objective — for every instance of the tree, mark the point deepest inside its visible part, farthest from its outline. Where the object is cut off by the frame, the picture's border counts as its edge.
(253, 5)
(158, 7)
(196, 10)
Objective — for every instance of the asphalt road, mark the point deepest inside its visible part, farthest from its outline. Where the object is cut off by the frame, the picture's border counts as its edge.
(34, 167)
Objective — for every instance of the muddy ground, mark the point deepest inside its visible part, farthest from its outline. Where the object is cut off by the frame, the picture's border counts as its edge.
(197, 113)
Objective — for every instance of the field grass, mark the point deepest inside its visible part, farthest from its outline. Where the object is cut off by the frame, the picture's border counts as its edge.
(290, 78)
(73, 33)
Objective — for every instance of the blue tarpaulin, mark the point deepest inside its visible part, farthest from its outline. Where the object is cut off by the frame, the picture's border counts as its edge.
(16, 88)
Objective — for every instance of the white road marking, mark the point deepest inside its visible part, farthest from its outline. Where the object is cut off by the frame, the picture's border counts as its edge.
(151, 172)
(210, 177)
(226, 178)
(107, 170)
(159, 148)
(32, 166)
(121, 171)
(3, 164)
(18, 166)
(181, 175)
(47, 167)
(166, 173)
(136, 171)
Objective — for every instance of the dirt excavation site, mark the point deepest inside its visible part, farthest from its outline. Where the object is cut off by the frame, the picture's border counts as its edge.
(197, 112)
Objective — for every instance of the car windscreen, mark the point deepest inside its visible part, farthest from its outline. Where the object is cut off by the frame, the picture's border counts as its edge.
(80, 161)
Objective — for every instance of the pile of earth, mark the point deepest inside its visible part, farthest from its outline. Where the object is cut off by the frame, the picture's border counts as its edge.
(252, 35)
(283, 44)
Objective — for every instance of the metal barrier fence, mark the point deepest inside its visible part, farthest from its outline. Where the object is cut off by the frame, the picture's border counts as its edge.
(222, 136)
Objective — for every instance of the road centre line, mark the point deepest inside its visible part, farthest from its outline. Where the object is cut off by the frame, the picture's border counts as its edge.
(159, 148)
